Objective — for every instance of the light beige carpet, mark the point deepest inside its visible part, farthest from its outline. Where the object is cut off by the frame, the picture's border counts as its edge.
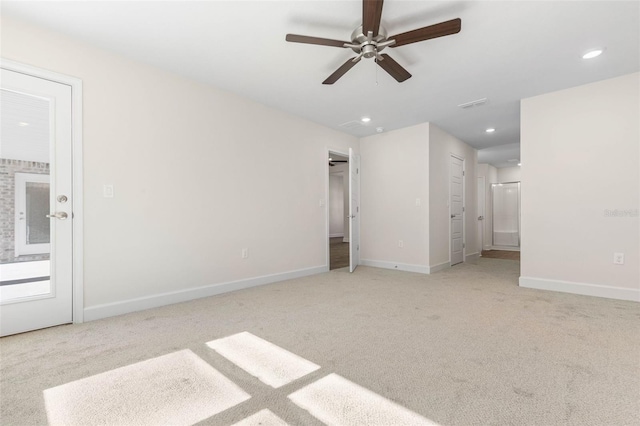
(464, 346)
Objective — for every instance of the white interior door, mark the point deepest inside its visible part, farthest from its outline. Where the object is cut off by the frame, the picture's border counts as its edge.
(456, 209)
(354, 210)
(481, 211)
(36, 287)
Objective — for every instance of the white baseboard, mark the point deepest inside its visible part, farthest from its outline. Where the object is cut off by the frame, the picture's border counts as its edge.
(581, 288)
(396, 266)
(472, 257)
(139, 304)
(439, 267)
(505, 248)
(336, 235)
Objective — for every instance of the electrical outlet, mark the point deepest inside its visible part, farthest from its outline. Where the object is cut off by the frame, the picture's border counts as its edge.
(418, 202)
(400, 243)
(245, 253)
(618, 258)
(321, 203)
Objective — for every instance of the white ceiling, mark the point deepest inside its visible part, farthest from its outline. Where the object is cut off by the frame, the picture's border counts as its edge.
(505, 52)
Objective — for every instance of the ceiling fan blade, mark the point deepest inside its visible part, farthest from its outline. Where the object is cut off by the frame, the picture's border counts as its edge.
(315, 40)
(426, 33)
(371, 14)
(341, 71)
(394, 69)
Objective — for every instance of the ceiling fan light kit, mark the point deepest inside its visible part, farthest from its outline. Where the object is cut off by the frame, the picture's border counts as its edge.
(369, 39)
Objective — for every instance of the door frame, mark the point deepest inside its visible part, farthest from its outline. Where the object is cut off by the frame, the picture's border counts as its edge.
(75, 83)
(327, 154)
(484, 211)
(464, 209)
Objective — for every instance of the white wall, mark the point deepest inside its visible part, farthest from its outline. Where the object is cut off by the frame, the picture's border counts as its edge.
(399, 167)
(441, 146)
(336, 205)
(509, 174)
(395, 172)
(194, 182)
(580, 159)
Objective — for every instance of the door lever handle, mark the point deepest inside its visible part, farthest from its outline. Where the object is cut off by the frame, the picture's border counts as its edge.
(58, 215)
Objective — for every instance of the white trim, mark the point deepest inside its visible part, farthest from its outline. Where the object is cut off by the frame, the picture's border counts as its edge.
(142, 303)
(340, 234)
(76, 149)
(472, 257)
(585, 289)
(346, 239)
(421, 269)
(439, 267)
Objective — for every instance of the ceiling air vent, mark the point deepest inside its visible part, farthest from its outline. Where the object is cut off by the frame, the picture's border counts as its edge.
(477, 102)
(350, 125)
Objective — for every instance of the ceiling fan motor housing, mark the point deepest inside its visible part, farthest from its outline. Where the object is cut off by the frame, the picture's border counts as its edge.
(367, 47)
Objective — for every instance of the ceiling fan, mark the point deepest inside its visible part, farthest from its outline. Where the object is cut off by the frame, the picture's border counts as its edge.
(333, 162)
(370, 38)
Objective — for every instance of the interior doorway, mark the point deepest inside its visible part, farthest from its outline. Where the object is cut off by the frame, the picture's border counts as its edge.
(505, 199)
(338, 210)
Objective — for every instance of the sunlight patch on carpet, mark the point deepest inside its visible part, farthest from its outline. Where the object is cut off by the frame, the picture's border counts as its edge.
(179, 389)
(270, 363)
(335, 400)
(263, 418)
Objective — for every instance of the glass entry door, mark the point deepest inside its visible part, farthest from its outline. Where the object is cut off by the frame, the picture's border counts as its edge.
(36, 208)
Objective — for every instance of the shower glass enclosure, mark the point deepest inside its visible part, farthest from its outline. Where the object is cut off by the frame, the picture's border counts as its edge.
(506, 214)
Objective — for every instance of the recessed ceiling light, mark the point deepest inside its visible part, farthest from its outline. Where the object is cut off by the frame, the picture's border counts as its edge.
(519, 164)
(365, 119)
(330, 159)
(23, 124)
(379, 129)
(490, 130)
(592, 54)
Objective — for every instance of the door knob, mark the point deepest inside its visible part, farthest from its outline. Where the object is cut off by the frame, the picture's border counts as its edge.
(452, 216)
(480, 217)
(58, 215)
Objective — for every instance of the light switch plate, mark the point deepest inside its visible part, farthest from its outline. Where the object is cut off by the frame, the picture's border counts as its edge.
(107, 191)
